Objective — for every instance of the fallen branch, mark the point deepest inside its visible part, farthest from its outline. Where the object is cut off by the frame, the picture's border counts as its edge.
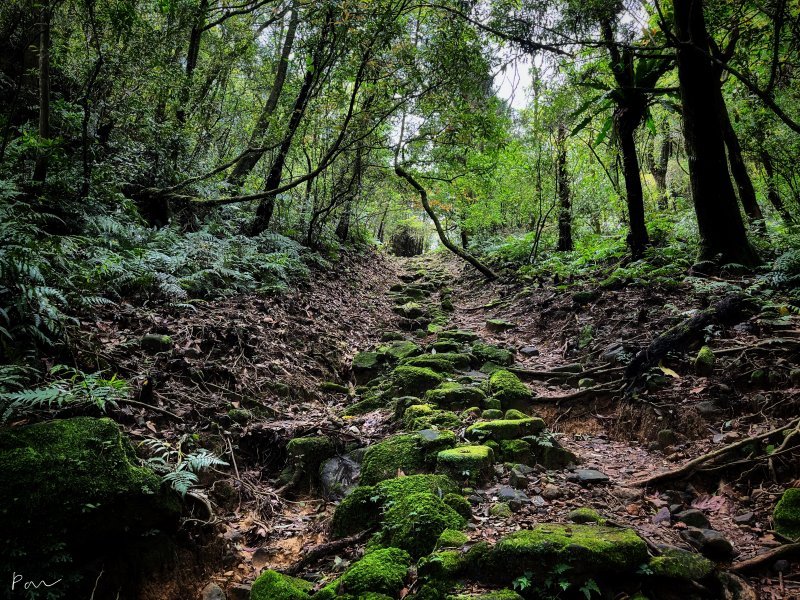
(693, 465)
(728, 311)
(592, 391)
(325, 549)
(767, 557)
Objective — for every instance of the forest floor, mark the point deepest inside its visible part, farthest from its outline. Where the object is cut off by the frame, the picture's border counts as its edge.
(247, 374)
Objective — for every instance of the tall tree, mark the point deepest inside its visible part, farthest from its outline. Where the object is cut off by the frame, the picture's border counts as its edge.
(42, 155)
(722, 231)
(562, 183)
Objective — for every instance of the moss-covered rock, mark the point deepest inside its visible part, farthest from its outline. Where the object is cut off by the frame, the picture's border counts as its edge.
(513, 414)
(458, 335)
(380, 572)
(473, 463)
(359, 510)
(391, 336)
(399, 350)
(516, 451)
(306, 454)
(498, 595)
(452, 538)
(786, 515)
(676, 563)
(75, 484)
(501, 510)
(443, 362)
(383, 460)
(272, 585)
(410, 310)
(459, 504)
(447, 346)
(588, 549)
(704, 361)
(549, 453)
(503, 429)
(156, 342)
(334, 388)
(499, 325)
(414, 381)
(366, 365)
(492, 414)
(488, 353)
(585, 515)
(392, 489)
(454, 395)
(507, 387)
(371, 399)
(425, 416)
(415, 522)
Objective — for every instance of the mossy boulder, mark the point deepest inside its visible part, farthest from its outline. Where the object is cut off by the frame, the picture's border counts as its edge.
(704, 361)
(507, 387)
(492, 414)
(498, 595)
(425, 416)
(459, 504)
(380, 572)
(391, 336)
(156, 342)
(334, 388)
(585, 297)
(676, 563)
(488, 353)
(272, 585)
(452, 538)
(516, 451)
(308, 453)
(549, 453)
(458, 335)
(359, 510)
(399, 350)
(473, 463)
(513, 413)
(501, 510)
(415, 522)
(366, 365)
(454, 395)
(444, 362)
(410, 453)
(499, 325)
(75, 483)
(786, 516)
(438, 570)
(447, 346)
(505, 429)
(589, 550)
(410, 310)
(414, 381)
(585, 515)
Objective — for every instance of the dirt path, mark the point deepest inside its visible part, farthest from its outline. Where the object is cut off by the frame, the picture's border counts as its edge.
(612, 444)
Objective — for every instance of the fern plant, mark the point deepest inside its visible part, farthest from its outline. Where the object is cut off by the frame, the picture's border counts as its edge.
(178, 469)
(71, 387)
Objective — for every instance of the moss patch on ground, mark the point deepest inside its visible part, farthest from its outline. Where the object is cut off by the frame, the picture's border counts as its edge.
(472, 463)
(414, 381)
(505, 429)
(272, 585)
(507, 387)
(786, 515)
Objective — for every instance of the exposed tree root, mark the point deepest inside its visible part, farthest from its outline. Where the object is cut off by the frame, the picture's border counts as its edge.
(325, 549)
(767, 557)
(694, 465)
(728, 311)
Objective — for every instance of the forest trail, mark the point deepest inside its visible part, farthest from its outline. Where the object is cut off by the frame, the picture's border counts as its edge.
(582, 467)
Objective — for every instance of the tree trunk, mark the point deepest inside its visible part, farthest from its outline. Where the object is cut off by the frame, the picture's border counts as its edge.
(249, 160)
(744, 185)
(661, 165)
(772, 191)
(626, 122)
(423, 196)
(562, 181)
(719, 222)
(267, 205)
(192, 53)
(40, 169)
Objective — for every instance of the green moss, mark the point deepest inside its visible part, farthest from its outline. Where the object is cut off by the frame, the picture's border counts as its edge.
(501, 510)
(409, 310)
(416, 411)
(382, 460)
(400, 349)
(514, 414)
(75, 484)
(676, 563)
(414, 523)
(489, 353)
(334, 388)
(466, 462)
(505, 429)
(444, 362)
(414, 381)
(447, 346)
(391, 336)
(454, 395)
(549, 453)
(590, 550)
(492, 404)
(459, 504)
(585, 515)
(240, 415)
(471, 412)
(364, 361)
(379, 572)
(516, 451)
(492, 414)
(458, 335)
(154, 342)
(359, 510)
(373, 399)
(585, 297)
(424, 416)
(392, 489)
(704, 362)
(452, 538)
(507, 387)
(442, 566)
(272, 585)
(308, 453)
(786, 515)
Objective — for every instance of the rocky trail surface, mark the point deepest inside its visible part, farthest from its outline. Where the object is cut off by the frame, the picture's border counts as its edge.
(478, 448)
